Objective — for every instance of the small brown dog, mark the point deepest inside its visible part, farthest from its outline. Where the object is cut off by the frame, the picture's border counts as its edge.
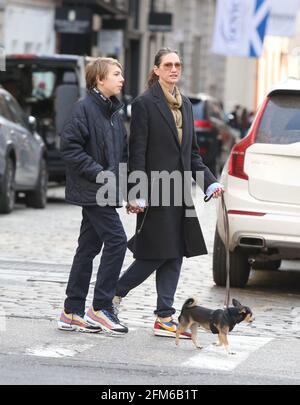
(218, 321)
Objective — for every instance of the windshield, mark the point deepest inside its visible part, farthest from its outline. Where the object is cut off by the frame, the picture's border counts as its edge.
(281, 120)
(198, 108)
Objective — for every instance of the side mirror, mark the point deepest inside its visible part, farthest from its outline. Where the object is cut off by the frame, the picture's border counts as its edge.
(32, 123)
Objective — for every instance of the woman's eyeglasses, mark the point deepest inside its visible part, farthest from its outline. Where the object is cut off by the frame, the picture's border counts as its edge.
(169, 65)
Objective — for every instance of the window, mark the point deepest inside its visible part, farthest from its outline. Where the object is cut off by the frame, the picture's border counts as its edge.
(42, 84)
(18, 116)
(215, 110)
(198, 108)
(281, 120)
(4, 110)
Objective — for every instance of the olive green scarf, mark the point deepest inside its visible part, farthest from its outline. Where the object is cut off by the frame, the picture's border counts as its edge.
(175, 103)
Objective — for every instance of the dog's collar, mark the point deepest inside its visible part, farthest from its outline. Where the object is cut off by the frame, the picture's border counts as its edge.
(228, 315)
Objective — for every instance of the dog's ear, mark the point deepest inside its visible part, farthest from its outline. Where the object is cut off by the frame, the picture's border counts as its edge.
(236, 303)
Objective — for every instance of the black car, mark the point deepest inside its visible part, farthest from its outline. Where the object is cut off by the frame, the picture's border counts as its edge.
(46, 87)
(214, 135)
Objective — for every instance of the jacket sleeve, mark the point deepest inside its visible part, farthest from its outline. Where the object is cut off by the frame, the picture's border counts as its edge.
(198, 165)
(125, 146)
(138, 137)
(74, 137)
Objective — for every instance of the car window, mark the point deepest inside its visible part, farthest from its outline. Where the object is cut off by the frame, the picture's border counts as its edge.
(4, 110)
(18, 116)
(281, 120)
(198, 108)
(43, 84)
(215, 110)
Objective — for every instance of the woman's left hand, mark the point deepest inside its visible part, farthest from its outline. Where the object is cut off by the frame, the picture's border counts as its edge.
(218, 193)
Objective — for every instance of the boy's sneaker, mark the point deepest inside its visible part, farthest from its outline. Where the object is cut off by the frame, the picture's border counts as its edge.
(169, 329)
(75, 322)
(106, 320)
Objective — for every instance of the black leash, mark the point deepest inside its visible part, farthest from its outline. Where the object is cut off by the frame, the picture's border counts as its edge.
(226, 230)
(147, 210)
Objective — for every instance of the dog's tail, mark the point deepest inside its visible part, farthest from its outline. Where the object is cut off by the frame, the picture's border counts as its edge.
(189, 303)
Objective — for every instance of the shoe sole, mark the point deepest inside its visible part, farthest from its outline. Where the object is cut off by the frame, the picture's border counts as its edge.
(165, 333)
(105, 329)
(75, 328)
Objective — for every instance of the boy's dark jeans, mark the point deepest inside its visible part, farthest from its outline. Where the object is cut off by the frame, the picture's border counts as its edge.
(100, 226)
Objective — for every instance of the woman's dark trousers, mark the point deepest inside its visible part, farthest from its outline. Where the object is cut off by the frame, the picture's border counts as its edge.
(167, 276)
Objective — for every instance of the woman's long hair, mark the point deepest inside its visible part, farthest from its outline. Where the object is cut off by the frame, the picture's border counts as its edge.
(153, 78)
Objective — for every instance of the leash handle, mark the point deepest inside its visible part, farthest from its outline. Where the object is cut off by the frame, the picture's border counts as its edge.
(147, 210)
(207, 199)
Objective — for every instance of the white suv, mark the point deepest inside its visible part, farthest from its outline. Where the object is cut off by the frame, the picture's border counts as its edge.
(262, 182)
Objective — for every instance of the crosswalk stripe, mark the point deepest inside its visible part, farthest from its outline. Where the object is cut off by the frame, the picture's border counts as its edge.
(217, 358)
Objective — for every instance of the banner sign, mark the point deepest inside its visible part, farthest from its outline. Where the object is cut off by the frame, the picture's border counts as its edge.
(240, 27)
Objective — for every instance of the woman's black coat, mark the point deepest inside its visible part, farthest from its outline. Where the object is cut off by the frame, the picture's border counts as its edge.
(166, 232)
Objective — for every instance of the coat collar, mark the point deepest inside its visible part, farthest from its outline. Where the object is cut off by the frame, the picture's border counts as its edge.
(161, 102)
(107, 105)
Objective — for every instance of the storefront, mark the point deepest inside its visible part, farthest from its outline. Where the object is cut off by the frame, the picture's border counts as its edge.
(79, 25)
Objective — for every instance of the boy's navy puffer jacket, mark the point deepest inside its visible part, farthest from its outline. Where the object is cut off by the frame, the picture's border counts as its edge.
(92, 141)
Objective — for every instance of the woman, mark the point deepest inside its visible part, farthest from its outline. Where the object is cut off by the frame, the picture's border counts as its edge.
(162, 138)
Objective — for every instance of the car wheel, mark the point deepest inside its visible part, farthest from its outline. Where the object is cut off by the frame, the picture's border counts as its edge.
(38, 197)
(8, 194)
(239, 266)
(267, 265)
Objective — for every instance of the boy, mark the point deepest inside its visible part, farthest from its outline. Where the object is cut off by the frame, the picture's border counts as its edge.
(94, 141)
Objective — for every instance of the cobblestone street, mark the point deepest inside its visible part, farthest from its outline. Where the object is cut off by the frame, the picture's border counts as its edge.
(37, 248)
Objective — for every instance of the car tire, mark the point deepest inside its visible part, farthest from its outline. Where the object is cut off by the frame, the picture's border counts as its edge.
(8, 194)
(239, 265)
(267, 265)
(38, 197)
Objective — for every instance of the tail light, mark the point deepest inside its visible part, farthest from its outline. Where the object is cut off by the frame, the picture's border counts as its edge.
(23, 56)
(237, 157)
(203, 124)
(203, 151)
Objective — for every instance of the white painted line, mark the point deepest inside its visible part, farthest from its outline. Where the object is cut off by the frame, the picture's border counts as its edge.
(216, 358)
(48, 350)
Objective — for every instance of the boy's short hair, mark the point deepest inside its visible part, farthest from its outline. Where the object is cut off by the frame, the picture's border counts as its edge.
(98, 68)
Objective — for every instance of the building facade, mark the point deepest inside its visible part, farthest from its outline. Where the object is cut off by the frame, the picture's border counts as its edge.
(27, 26)
(193, 24)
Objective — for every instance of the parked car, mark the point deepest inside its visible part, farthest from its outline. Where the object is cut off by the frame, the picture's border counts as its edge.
(47, 87)
(23, 166)
(215, 137)
(263, 191)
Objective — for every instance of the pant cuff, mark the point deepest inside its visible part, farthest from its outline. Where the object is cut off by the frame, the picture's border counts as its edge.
(164, 313)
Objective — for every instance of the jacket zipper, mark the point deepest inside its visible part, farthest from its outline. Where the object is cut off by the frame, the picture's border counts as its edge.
(113, 114)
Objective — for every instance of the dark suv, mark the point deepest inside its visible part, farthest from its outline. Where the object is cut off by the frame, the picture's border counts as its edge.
(214, 135)
(47, 87)
(23, 165)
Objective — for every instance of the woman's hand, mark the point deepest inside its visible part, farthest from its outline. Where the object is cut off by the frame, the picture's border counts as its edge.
(134, 208)
(215, 190)
(218, 193)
